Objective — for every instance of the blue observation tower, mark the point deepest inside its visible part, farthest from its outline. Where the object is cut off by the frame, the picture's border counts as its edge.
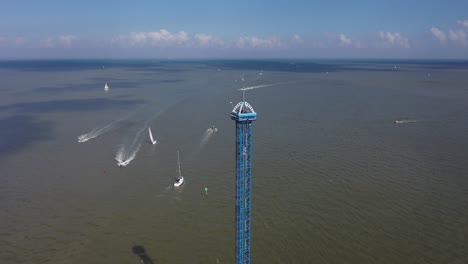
(243, 113)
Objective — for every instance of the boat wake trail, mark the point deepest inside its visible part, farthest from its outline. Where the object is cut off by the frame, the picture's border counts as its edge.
(126, 154)
(405, 121)
(97, 131)
(206, 137)
(124, 157)
(259, 86)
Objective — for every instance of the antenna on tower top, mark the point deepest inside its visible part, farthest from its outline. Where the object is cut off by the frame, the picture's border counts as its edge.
(243, 95)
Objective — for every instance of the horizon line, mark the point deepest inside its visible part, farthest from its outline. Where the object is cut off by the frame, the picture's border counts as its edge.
(237, 59)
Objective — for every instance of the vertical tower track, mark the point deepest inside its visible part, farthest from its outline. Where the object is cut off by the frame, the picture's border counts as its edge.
(243, 114)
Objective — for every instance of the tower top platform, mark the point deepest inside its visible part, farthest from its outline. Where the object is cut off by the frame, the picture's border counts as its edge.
(243, 112)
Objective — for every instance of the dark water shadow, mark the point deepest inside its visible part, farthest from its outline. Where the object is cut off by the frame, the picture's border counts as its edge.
(141, 253)
(62, 65)
(406, 65)
(71, 105)
(123, 96)
(140, 83)
(292, 66)
(20, 131)
(77, 64)
(68, 88)
(420, 64)
(103, 80)
(446, 66)
(156, 70)
(175, 66)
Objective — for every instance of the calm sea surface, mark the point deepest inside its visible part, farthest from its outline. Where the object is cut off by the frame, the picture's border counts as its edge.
(335, 178)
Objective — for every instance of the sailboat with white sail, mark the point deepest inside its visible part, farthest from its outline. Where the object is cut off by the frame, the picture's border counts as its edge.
(153, 141)
(106, 87)
(179, 180)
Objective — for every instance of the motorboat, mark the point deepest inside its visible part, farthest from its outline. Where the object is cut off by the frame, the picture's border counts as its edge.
(123, 163)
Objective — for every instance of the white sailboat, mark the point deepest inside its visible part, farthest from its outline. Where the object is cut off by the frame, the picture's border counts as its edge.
(106, 88)
(179, 180)
(153, 141)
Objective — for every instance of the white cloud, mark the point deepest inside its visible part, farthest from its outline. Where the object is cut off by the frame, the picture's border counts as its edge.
(335, 39)
(165, 38)
(256, 42)
(453, 35)
(394, 39)
(459, 36)
(66, 40)
(439, 34)
(63, 41)
(344, 40)
(205, 40)
(161, 38)
(47, 43)
(134, 39)
(463, 23)
(297, 39)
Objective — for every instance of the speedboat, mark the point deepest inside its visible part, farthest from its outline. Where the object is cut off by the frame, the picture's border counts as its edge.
(123, 163)
(404, 121)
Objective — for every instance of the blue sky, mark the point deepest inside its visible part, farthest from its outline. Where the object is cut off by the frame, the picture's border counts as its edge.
(235, 29)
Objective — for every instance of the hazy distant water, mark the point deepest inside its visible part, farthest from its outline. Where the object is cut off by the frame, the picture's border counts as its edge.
(335, 179)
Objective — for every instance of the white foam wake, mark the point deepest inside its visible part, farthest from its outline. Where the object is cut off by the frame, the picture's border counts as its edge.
(259, 86)
(126, 154)
(97, 131)
(124, 157)
(206, 136)
(405, 121)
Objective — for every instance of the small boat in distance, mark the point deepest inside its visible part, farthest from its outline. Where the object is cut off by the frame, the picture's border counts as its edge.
(153, 141)
(179, 180)
(404, 121)
(106, 88)
(82, 139)
(123, 163)
(214, 129)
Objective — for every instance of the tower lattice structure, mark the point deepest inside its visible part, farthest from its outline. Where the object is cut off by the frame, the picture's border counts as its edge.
(244, 114)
